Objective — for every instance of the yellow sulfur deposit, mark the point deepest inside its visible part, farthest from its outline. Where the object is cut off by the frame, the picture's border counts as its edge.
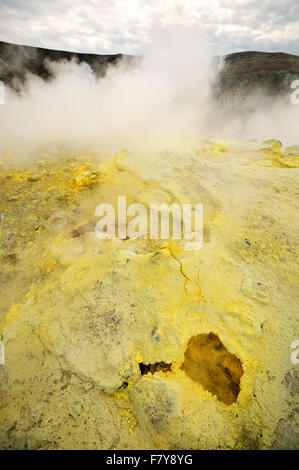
(141, 344)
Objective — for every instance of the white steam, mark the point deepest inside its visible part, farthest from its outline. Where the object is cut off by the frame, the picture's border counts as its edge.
(158, 102)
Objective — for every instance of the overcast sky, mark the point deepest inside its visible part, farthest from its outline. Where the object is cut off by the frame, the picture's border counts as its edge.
(127, 26)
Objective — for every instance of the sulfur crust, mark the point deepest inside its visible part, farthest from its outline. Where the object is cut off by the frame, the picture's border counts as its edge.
(79, 315)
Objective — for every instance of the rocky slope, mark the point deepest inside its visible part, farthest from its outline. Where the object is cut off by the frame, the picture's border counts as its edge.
(273, 71)
(140, 344)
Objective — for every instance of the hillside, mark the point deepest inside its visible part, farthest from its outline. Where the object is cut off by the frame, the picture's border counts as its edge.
(273, 71)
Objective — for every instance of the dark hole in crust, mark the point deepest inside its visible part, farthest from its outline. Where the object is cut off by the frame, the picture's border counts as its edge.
(152, 368)
(208, 362)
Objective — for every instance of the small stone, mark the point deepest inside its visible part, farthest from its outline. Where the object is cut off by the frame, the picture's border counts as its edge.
(86, 178)
(34, 178)
(273, 142)
(255, 290)
(57, 222)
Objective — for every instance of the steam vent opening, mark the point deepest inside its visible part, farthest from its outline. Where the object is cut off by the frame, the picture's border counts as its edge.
(152, 368)
(209, 363)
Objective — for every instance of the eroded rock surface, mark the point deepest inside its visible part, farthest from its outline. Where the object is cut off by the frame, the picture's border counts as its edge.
(140, 344)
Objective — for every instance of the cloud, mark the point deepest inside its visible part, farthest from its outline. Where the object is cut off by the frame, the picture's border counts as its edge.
(113, 26)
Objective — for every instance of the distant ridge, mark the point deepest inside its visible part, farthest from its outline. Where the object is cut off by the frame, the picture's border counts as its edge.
(259, 66)
(17, 60)
(271, 71)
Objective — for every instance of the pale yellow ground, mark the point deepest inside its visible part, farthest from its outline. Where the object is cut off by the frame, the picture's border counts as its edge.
(212, 328)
